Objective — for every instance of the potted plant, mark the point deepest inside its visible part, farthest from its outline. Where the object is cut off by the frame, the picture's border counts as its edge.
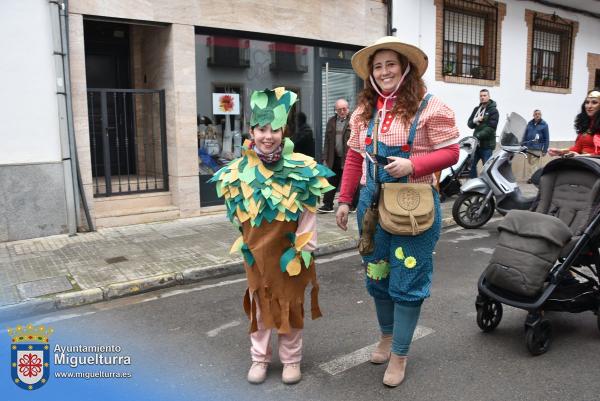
(549, 80)
(449, 68)
(478, 72)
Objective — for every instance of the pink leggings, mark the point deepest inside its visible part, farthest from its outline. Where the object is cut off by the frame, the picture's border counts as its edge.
(290, 345)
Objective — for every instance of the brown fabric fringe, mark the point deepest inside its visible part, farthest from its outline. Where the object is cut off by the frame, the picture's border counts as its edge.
(279, 296)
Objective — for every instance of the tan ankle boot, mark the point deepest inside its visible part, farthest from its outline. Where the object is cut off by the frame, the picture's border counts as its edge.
(258, 372)
(291, 373)
(394, 374)
(381, 354)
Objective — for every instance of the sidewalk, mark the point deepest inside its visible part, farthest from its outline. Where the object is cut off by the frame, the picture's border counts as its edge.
(46, 274)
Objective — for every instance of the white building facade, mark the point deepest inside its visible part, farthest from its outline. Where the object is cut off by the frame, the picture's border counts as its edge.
(37, 196)
(546, 55)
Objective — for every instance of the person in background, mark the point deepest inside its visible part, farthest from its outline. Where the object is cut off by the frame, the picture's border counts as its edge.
(337, 133)
(400, 267)
(587, 126)
(537, 139)
(304, 140)
(484, 121)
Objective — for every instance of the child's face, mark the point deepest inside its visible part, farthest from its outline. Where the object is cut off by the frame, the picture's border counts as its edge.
(266, 140)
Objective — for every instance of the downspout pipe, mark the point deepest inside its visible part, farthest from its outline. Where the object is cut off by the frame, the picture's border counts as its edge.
(73, 184)
(390, 30)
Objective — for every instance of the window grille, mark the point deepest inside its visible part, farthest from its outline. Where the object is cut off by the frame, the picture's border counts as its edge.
(551, 51)
(470, 32)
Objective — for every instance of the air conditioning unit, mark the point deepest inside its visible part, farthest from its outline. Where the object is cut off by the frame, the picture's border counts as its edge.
(288, 58)
(228, 52)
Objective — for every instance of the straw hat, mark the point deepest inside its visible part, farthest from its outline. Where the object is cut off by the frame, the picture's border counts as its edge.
(360, 59)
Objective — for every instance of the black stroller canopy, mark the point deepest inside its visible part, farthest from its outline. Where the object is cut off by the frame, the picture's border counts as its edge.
(589, 163)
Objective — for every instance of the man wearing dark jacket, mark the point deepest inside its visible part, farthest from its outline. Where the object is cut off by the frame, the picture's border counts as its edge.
(537, 139)
(484, 120)
(304, 141)
(337, 133)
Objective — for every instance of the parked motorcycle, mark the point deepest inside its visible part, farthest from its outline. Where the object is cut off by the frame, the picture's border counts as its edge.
(450, 177)
(496, 187)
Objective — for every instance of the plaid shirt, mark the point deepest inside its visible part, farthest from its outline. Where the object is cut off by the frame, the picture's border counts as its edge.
(436, 129)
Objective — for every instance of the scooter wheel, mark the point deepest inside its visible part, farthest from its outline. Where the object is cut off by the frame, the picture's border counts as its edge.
(466, 207)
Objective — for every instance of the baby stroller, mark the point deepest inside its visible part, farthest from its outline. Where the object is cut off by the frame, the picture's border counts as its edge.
(450, 177)
(547, 259)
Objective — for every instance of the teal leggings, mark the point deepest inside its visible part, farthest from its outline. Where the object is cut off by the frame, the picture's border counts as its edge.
(400, 320)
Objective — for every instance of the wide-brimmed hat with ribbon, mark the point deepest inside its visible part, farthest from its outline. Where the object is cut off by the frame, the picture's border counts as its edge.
(416, 56)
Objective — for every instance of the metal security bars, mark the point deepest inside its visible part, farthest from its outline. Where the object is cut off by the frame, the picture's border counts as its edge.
(551, 51)
(127, 141)
(470, 33)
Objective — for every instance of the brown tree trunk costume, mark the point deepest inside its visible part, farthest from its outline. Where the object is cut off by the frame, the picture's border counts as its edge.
(279, 295)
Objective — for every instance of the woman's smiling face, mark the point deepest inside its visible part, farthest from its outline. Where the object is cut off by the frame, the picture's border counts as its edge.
(592, 105)
(387, 71)
(265, 139)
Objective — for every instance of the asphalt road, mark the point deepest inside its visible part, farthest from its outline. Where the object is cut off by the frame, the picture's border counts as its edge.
(190, 343)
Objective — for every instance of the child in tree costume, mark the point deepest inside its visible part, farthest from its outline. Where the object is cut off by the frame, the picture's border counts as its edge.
(271, 194)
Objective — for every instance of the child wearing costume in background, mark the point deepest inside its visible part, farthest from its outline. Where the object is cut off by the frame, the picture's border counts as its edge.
(271, 194)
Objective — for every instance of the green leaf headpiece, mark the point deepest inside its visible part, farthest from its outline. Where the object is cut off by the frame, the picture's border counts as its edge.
(271, 107)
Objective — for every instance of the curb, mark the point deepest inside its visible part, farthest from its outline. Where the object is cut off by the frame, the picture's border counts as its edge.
(61, 301)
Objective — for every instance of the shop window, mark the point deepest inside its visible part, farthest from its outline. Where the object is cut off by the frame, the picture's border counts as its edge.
(288, 58)
(551, 49)
(470, 39)
(228, 52)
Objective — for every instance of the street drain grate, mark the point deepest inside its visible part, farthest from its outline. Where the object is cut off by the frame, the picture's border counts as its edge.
(116, 259)
(44, 286)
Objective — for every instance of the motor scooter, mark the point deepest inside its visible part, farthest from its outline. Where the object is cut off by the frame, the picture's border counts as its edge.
(450, 178)
(496, 187)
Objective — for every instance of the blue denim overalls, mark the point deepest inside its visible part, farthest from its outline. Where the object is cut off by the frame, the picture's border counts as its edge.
(410, 258)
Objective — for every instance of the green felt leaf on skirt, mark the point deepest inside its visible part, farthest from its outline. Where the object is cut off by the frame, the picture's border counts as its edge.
(286, 258)
(306, 257)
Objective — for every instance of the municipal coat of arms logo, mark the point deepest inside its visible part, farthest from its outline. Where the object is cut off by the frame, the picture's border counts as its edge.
(30, 356)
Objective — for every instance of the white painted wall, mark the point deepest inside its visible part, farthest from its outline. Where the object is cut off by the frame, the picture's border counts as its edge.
(28, 103)
(415, 23)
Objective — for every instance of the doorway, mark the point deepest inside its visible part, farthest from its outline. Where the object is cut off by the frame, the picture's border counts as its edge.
(107, 60)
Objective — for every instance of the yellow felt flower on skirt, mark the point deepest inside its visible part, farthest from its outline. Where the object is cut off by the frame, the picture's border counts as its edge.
(399, 253)
(410, 262)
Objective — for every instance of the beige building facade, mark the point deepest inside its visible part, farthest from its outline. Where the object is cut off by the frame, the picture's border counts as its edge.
(138, 137)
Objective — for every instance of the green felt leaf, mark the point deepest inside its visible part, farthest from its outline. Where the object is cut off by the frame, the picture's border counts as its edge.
(248, 175)
(288, 147)
(259, 177)
(279, 117)
(297, 177)
(306, 257)
(259, 99)
(287, 256)
(247, 255)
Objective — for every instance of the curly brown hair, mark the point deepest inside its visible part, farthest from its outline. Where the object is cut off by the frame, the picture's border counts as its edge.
(409, 96)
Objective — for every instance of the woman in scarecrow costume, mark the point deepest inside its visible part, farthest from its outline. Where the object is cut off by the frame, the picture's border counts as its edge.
(271, 194)
(413, 135)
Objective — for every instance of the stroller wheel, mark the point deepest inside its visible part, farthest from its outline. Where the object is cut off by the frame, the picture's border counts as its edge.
(489, 315)
(539, 337)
